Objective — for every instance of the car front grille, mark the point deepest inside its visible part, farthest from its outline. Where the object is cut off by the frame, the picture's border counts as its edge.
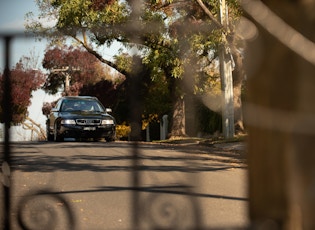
(88, 121)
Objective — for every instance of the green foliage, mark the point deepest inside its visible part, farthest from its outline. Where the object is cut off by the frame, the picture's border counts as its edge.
(87, 13)
(124, 62)
(158, 100)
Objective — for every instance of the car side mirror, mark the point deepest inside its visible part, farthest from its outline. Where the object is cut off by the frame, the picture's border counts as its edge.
(108, 110)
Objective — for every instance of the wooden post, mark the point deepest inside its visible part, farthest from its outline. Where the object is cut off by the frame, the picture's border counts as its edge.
(280, 114)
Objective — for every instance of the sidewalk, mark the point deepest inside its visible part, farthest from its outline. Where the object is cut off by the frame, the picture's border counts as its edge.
(223, 151)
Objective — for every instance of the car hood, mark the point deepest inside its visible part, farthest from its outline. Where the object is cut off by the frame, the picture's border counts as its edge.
(84, 114)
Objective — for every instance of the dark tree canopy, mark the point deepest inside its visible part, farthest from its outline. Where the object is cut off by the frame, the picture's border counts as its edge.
(83, 68)
(104, 90)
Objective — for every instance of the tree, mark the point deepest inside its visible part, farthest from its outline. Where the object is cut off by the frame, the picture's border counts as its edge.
(155, 27)
(104, 90)
(67, 61)
(23, 81)
(200, 43)
(235, 46)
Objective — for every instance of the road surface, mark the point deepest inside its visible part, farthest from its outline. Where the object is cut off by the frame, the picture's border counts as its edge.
(99, 185)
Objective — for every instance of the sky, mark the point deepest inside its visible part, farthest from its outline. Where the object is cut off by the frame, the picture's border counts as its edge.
(12, 15)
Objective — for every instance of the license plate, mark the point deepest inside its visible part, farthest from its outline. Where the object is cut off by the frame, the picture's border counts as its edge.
(89, 128)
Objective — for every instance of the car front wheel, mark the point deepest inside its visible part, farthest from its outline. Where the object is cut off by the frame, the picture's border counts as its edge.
(110, 139)
(57, 136)
(50, 136)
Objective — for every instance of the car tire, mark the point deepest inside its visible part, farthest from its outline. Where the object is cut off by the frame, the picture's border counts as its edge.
(57, 137)
(110, 139)
(50, 137)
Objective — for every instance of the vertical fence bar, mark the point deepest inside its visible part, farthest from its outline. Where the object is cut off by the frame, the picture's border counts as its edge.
(136, 185)
(136, 107)
(7, 116)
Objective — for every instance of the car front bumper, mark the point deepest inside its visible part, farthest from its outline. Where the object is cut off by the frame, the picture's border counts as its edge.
(76, 131)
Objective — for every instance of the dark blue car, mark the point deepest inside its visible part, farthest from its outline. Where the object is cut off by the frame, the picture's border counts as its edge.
(80, 117)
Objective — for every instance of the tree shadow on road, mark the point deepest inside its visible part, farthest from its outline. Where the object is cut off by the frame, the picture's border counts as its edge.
(29, 158)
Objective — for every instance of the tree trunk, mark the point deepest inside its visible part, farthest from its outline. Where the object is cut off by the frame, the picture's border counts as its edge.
(280, 115)
(178, 124)
(178, 118)
(238, 79)
(238, 109)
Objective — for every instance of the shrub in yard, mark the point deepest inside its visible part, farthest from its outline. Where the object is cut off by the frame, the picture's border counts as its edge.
(122, 132)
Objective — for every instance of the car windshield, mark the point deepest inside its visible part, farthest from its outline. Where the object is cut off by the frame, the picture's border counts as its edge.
(81, 105)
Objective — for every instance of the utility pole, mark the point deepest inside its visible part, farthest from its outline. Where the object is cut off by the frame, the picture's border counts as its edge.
(66, 72)
(67, 83)
(226, 77)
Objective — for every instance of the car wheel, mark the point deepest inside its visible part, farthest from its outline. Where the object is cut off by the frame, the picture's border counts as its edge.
(110, 139)
(57, 137)
(50, 137)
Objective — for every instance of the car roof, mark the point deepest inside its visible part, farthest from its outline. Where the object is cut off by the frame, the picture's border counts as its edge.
(79, 98)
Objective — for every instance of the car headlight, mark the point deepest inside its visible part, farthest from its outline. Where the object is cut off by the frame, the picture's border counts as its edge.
(107, 122)
(68, 122)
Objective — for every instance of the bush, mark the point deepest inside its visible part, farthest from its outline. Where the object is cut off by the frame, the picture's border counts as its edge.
(122, 132)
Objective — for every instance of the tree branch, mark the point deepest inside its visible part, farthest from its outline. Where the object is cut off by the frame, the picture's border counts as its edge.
(98, 56)
(40, 132)
(210, 15)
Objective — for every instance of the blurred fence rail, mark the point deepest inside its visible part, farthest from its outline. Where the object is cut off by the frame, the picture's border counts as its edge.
(280, 114)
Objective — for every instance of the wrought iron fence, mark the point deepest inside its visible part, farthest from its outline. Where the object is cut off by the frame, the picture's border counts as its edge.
(46, 208)
(37, 209)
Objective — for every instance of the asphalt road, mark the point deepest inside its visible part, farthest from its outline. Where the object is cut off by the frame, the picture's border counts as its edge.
(99, 185)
